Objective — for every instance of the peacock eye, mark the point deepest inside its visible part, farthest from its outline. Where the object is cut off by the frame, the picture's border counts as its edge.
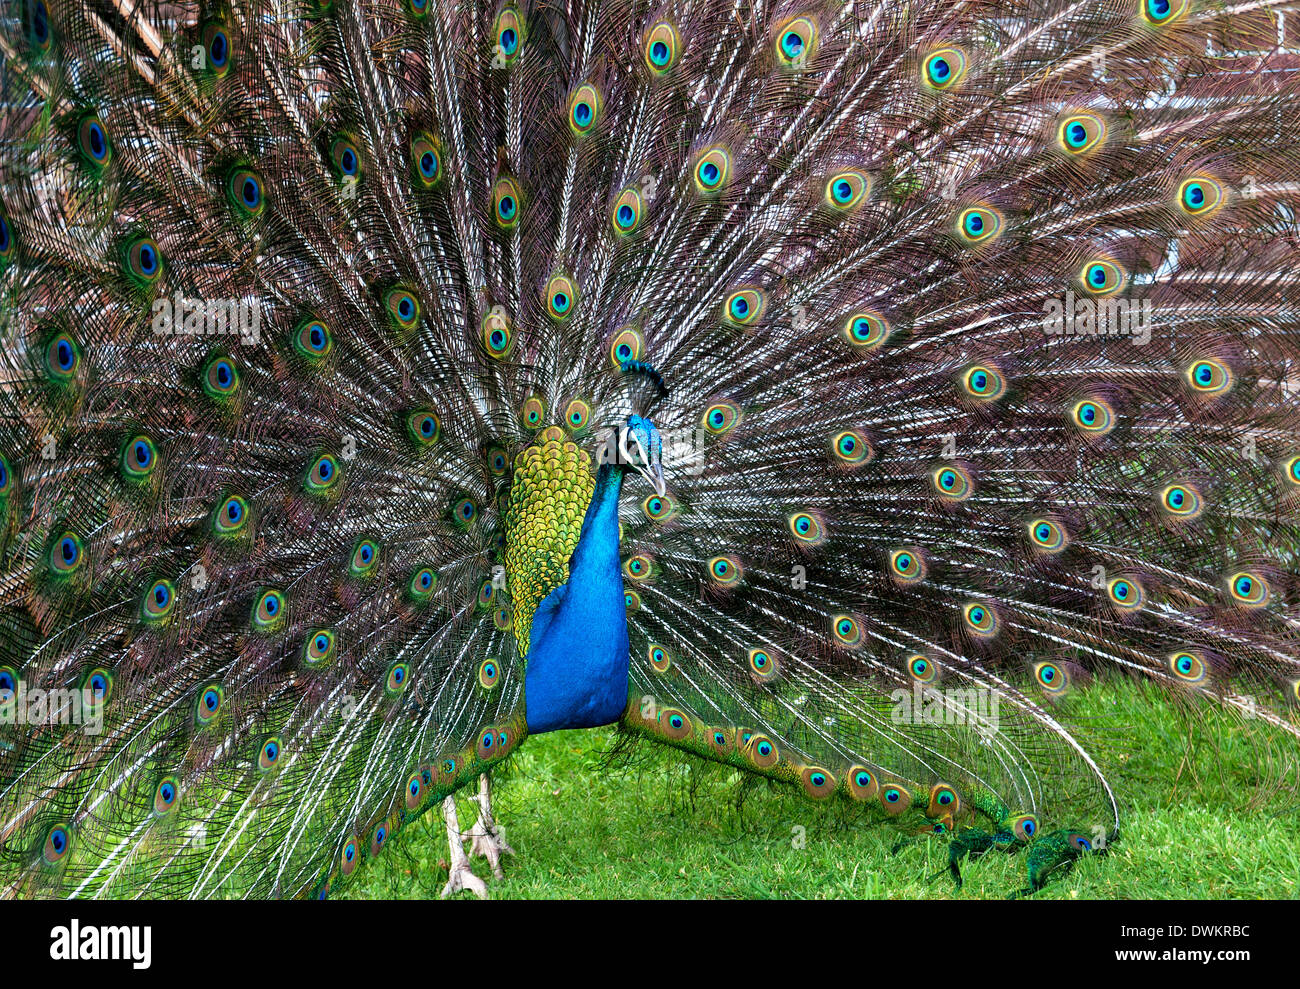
(847, 190)
(93, 141)
(744, 306)
(979, 225)
(796, 40)
(1081, 132)
(561, 296)
(662, 45)
(943, 68)
(505, 203)
(712, 169)
(509, 32)
(626, 215)
(1102, 276)
(584, 109)
(245, 190)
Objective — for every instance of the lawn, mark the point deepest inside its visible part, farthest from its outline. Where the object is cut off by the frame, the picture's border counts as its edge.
(1210, 803)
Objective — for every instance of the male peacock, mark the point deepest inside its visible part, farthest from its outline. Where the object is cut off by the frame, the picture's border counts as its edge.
(384, 382)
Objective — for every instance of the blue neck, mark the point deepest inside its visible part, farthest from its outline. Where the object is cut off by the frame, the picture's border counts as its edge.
(577, 663)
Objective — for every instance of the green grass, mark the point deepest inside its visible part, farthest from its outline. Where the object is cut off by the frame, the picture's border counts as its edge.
(1209, 802)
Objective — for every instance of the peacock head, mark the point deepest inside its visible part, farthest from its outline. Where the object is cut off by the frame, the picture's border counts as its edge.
(640, 448)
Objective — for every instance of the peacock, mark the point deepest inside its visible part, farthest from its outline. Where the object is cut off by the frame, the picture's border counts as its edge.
(825, 389)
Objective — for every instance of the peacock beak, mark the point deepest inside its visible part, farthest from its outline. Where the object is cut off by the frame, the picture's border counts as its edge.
(655, 475)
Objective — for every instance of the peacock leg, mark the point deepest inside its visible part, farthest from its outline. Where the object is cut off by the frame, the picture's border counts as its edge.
(459, 874)
(486, 838)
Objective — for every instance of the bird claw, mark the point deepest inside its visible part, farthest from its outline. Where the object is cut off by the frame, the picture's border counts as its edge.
(486, 838)
(459, 875)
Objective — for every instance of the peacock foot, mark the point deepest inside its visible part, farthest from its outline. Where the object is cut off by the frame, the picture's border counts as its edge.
(459, 875)
(487, 838)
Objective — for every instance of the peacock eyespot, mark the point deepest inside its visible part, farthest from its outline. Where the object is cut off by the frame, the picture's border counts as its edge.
(246, 191)
(851, 448)
(862, 783)
(93, 141)
(364, 559)
(58, 840)
(979, 225)
(216, 45)
(895, 799)
(166, 796)
(725, 570)
(62, 358)
(1125, 593)
(577, 414)
(209, 704)
(509, 32)
(426, 160)
(142, 261)
(1093, 416)
(981, 619)
(626, 214)
(464, 511)
(796, 40)
(1081, 132)
(399, 675)
(138, 459)
(533, 413)
(662, 46)
(403, 308)
(422, 584)
(1052, 678)
(67, 554)
(952, 483)
(505, 203)
(312, 339)
(319, 648)
(423, 427)
(584, 109)
(97, 687)
(1209, 377)
(268, 610)
(1024, 826)
(847, 191)
(907, 565)
(627, 345)
(763, 664)
(269, 754)
(1181, 501)
(922, 669)
(158, 602)
(561, 296)
(867, 330)
(8, 243)
(762, 752)
(1248, 589)
(220, 379)
(720, 418)
(660, 660)
(1102, 277)
(712, 169)
(1188, 667)
(744, 306)
(983, 382)
(322, 475)
(806, 527)
(1047, 536)
(37, 18)
(847, 630)
(1200, 196)
(943, 68)
(659, 508)
(1161, 13)
(231, 516)
(349, 857)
